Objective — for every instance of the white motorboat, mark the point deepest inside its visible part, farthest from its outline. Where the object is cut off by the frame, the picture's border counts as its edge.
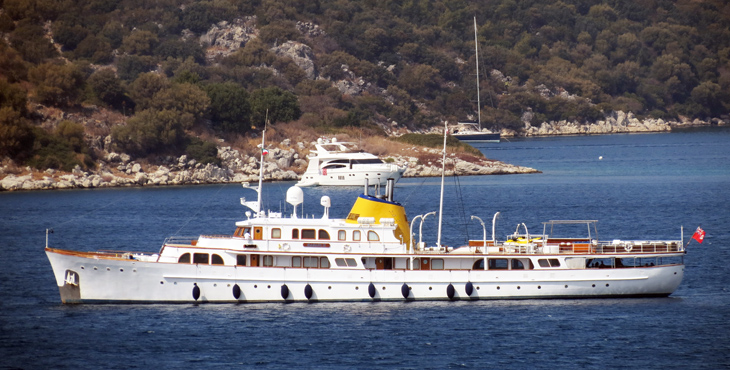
(336, 163)
(367, 256)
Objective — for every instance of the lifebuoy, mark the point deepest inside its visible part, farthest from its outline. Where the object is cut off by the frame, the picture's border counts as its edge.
(629, 246)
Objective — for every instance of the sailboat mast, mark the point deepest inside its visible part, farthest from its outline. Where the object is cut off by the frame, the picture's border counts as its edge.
(443, 171)
(476, 52)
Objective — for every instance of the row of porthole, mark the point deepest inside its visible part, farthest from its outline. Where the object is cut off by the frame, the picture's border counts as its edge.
(540, 287)
(308, 289)
(108, 269)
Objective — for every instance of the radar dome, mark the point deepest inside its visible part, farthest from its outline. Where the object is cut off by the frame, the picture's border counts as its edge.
(295, 196)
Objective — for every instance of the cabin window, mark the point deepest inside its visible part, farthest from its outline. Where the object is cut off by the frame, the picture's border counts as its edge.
(373, 236)
(296, 262)
(346, 262)
(334, 166)
(243, 232)
(276, 233)
(185, 258)
(417, 264)
(356, 235)
(325, 263)
(308, 233)
(241, 260)
(478, 265)
(268, 261)
(517, 265)
(323, 235)
(498, 263)
(341, 235)
(311, 262)
(216, 260)
(551, 262)
(200, 258)
(437, 264)
(295, 234)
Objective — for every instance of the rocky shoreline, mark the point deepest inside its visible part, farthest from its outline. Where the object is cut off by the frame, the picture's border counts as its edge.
(284, 164)
(118, 170)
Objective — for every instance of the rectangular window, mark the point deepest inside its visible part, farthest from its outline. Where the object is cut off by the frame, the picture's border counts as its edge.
(340, 262)
(498, 264)
(268, 261)
(324, 263)
(552, 262)
(437, 264)
(417, 264)
(308, 233)
(373, 236)
(356, 235)
(311, 262)
(276, 233)
(341, 235)
(241, 260)
(295, 234)
(200, 258)
(296, 262)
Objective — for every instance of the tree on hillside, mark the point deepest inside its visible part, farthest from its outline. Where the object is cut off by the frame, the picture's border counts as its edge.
(282, 106)
(230, 109)
(56, 84)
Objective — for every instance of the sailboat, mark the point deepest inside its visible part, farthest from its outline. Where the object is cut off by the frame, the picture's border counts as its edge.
(471, 132)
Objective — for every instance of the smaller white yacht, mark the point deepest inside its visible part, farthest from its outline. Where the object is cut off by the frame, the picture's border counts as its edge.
(337, 163)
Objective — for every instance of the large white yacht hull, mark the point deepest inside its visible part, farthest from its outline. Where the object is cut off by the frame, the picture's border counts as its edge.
(88, 280)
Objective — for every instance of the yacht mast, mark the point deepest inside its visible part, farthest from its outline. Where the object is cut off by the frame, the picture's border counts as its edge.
(443, 171)
(476, 52)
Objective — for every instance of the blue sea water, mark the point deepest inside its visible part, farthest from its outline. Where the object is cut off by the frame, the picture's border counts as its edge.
(643, 186)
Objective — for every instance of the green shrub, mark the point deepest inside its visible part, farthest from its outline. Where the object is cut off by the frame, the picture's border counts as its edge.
(202, 151)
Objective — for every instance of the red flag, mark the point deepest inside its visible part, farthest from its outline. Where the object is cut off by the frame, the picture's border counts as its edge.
(699, 235)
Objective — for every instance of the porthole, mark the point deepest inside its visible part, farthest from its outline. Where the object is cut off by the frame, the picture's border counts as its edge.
(108, 269)
(134, 270)
(430, 288)
(215, 285)
(539, 287)
(269, 286)
(255, 286)
(175, 283)
(497, 288)
(162, 282)
(357, 288)
(82, 267)
(95, 268)
(121, 270)
(518, 287)
(593, 285)
(383, 288)
(606, 285)
(477, 288)
(566, 286)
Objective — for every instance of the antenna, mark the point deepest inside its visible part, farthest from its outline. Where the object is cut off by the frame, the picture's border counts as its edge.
(263, 151)
(443, 171)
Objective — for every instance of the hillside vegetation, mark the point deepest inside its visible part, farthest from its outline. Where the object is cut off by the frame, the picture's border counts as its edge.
(334, 65)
